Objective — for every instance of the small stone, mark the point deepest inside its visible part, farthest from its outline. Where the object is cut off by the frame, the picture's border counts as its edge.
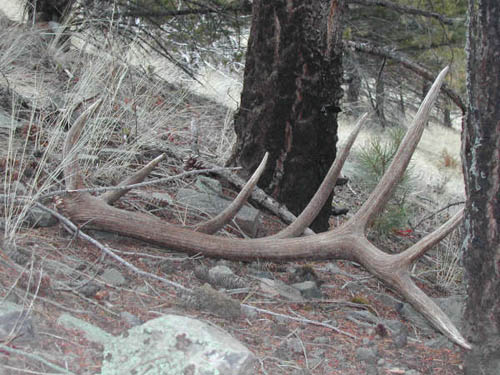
(308, 289)
(400, 340)
(16, 326)
(114, 277)
(205, 298)
(131, 319)
(367, 355)
(248, 312)
(89, 290)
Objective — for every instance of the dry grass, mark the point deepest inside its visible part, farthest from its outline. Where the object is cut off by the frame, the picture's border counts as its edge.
(139, 111)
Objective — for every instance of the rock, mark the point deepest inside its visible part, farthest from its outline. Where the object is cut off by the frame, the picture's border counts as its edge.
(131, 319)
(7, 123)
(248, 312)
(207, 299)
(332, 268)
(208, 185)
(91, 332)
(415, 319)
(174, 344)
(452, 306)
(15, 324)
(439, 342)
(38, 218)
(368, 355)
(400, 339)
(89, 290)
(247, 218)
(308, 289)
(364, 316)
(223, 276)
(20, 255)
(279, 288)
(114, 277)
(321, 340)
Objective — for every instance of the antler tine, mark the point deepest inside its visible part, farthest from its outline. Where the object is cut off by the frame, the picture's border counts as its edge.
(112, 196)
(382, 192)
(421, 247)
(428, 308)
(72, 175)
(309, 213)
(213, 225)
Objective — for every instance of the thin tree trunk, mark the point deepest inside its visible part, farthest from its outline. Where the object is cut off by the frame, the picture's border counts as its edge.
(290, 98)
(447, 114)
(380, 96)
(481, 152)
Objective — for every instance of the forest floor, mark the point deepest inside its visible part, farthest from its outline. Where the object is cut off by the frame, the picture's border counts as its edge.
(63, 273)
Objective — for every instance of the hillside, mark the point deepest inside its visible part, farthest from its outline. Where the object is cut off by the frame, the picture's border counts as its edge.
(328, 317)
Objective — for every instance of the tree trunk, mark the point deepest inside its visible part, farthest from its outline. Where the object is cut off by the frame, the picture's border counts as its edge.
(481, 151)
(380, 96)
(447, 114)
(353, 81)
(290, 98)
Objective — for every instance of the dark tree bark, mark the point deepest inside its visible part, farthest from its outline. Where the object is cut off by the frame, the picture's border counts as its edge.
(290, 98)
(48, 10)
(481, 150)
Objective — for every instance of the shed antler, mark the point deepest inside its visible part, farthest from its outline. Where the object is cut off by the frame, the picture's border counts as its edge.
(347, 242)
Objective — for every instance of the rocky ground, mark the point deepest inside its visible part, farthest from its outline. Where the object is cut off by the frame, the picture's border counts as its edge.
(68, 307)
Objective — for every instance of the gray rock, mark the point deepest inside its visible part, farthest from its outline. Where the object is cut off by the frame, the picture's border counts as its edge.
(39, 218)
(333, 268)
(224, 277)
(174, 344)
(400, 339)
(91, 332)
(415, 319)
(439, 342)
(131, 319)
(393, 325)
(7, 123)
(89, 290)
(248, 312)
(364, 316)
(453, 307)
(207, 299)
(295, 345)
(248, 218)
(308, 289)
(368, 355)
(372, 369)
(16, 325)
(278, 287)
(208, 185)
(114, 277)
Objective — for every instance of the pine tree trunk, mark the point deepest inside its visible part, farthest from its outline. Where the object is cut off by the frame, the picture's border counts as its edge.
(290, 98)
(481, 151)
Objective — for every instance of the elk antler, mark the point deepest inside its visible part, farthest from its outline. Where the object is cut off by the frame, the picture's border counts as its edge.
(347, 242)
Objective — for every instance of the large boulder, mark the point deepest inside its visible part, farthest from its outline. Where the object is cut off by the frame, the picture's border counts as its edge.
(175, 344)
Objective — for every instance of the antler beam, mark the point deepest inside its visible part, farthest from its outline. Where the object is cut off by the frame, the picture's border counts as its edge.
(347, 242)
